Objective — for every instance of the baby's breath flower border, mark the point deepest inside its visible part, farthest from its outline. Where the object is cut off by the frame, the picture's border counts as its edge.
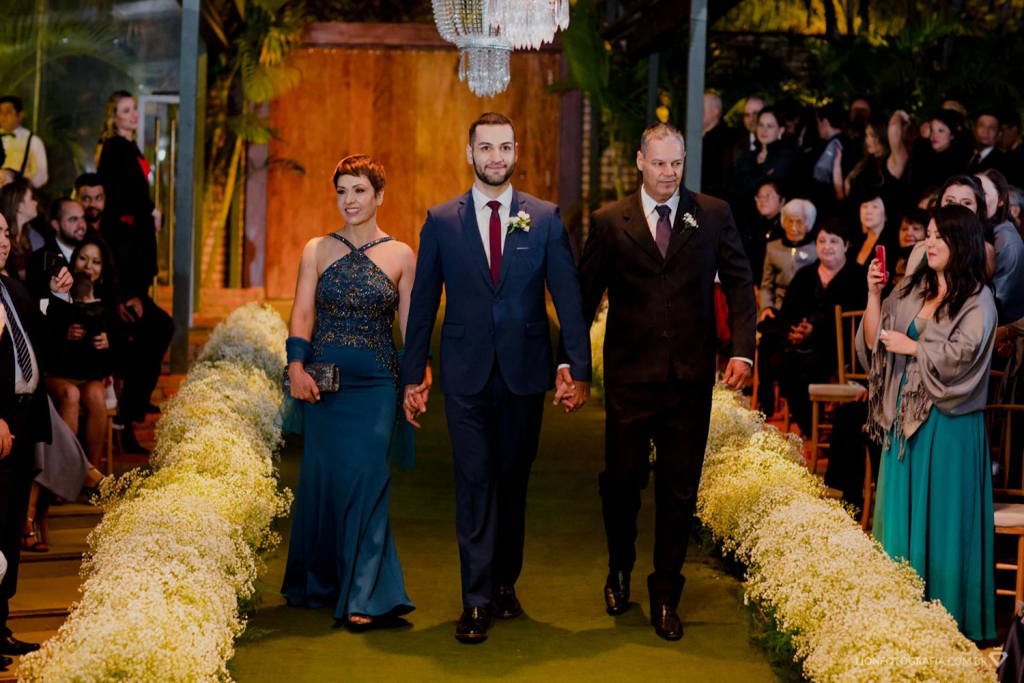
(854, 615)
(176, 555)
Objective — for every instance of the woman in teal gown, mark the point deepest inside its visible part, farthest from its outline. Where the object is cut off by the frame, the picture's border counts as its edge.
(351, 285)
(931, 344)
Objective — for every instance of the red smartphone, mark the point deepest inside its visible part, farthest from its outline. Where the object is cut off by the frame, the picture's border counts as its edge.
(880, 257)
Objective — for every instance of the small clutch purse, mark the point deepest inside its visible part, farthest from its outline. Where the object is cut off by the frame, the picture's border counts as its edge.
(324, 374)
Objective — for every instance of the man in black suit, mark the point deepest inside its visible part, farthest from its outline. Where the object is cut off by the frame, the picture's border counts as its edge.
(986, 152)
(24, 421)
(718, 139)
(656, 253)
(67, 218)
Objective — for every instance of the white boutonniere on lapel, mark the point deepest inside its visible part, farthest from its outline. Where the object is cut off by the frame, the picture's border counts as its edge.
(521, 221)
(689, 222)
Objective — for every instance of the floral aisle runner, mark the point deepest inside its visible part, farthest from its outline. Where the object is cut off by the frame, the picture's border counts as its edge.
(854, 615)
(177, 552)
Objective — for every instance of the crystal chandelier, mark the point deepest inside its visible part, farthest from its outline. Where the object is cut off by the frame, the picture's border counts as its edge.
(484, 59)
(528, 23)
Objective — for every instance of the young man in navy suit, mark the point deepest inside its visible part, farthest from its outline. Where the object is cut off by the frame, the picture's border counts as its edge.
(493, 250)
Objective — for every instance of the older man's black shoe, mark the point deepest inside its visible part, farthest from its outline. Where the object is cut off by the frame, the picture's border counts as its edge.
(616, 593)
(666, 622)
(505, 604)
(5, 662)
(473, 625)
(16, 648)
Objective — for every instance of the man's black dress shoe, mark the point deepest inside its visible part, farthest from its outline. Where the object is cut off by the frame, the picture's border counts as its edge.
(616, 593)
(5, 662)
(666, 622)
(16, 648)
(130, 444)
(473, 625)
(505, 604)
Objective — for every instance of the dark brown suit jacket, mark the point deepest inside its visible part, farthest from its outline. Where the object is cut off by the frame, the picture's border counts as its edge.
(661, 310)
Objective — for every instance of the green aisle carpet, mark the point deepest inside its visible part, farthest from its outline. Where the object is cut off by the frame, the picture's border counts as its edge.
(564, 634)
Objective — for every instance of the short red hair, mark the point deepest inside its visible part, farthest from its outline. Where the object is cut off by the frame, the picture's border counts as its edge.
(364, 166)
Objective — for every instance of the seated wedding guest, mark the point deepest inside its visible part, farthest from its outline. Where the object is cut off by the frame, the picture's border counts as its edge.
(80, 350)
(784, 257)
(772, 158)
(944, 153)
(808, 354)
(19, 207)
(90, 194)
(874, 229)
(986, 152)
(24, 152)
(7, 176)
(129, 228)
(63, 471)
(929, 348)
(1008, 278)
(1016, 202)
(766, 226)
(68, 222)
(912, 231)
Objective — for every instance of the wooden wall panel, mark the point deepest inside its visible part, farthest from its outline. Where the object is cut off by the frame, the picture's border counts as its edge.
(408, 108)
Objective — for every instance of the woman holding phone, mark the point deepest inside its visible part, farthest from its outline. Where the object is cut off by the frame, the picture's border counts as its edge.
(928, 346)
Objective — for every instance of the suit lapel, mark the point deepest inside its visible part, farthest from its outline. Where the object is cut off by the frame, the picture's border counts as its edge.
(508, 252)
(680, 233)
(471, 235)
(637, 229)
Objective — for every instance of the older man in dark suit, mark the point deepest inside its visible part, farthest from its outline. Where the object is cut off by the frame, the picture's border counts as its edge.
(656, 253)
(24, 421)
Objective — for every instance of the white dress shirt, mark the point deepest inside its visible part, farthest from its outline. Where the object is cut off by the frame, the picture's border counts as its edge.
(651, 210)
(36, 170)
(483, 216)
(20, 385)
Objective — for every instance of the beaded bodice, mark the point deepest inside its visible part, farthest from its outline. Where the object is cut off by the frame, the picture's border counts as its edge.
(355, 306)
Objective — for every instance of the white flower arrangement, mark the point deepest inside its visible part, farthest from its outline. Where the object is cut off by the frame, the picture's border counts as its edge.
(855, 616)
(176, 553)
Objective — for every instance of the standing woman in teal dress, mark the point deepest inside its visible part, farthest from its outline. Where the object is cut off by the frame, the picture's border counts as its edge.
(930, 346)
(351, 284)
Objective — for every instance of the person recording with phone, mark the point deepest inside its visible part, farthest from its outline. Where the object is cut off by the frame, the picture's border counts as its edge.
(83, 343)
(67, 218)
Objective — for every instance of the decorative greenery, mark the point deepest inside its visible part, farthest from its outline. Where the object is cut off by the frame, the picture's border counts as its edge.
(176, 554)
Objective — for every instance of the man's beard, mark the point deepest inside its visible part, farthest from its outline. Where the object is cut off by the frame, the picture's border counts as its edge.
(71, 240)
(481, 173)
(93, 216)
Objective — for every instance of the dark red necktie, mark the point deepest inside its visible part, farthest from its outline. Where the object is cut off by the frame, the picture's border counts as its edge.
(495, 240)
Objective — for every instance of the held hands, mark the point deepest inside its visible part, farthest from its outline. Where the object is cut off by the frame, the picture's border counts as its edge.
(876, 281)
(303, 386)
(571, 393)
(62, 283)
(737, 374)
(415, 397)
(76, 333)
(6, 440)
(897, 342)
(799, 333)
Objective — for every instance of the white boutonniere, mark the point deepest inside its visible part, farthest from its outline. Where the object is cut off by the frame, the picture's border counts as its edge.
(521, 221)
(689, 222)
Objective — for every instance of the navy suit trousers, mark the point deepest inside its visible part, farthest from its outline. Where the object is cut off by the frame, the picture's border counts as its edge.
(494, 436)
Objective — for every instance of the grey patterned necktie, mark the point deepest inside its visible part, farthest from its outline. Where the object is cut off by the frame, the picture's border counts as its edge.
(20, 345)
(664, 229)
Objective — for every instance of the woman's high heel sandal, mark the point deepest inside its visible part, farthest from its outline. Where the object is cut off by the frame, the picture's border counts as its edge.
(35, 545)
(356, 626)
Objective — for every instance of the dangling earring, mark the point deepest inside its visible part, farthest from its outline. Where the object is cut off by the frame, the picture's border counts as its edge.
(780, 136)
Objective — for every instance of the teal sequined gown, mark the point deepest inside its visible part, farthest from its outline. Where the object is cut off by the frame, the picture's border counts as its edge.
(938, 513)
(341, 552)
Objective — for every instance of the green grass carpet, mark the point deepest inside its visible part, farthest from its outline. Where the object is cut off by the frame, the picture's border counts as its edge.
(564, 634)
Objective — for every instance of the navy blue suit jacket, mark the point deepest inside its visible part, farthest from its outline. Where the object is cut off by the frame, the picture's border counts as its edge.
(486, 323)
